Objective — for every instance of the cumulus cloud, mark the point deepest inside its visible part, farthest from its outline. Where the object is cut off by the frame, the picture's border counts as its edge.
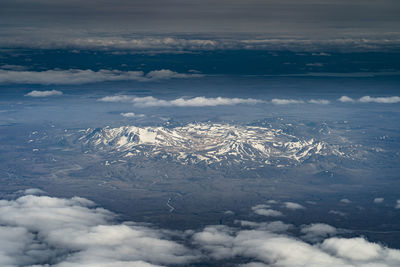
(77, 76)
(266, 248)
(317, 231)
(293, 206)
(74, 232)
(132, 115)
(200, 101)
(278, 101)
(369, 99)
(397, 204)
(265, 210)
(345, 99)
(359, 249)
(44, 231)
(379, 200)
(35, 93)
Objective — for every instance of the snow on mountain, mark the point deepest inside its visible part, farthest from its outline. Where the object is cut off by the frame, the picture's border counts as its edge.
(211, 143)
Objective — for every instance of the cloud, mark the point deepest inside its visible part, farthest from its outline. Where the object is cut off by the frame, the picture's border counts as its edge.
(274, 226)
(384, 100)
(77, 76)
(316, 64)
(345, 201)
(336, 212)
(200, 101)
(369, 99)
(281, 101)
(100, 39)
(378, 200)
(74, 232)
(265, 210)
(346, 99)
(169, 74)
(278, 101)
(265, 248)
(317, 231)
(358, 249)
(397, 204)
(34, 191)
(35, 93)
(319, 101)
(116, 98)
(293, 206)
(66, 232)
(132, 115)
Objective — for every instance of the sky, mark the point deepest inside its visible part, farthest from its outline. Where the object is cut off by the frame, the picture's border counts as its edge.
(45, 21)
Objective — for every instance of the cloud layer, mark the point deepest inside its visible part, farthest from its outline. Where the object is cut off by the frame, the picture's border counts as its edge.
(77, 76)
(283, 101)
(200, 101)
(267, 248)
(369, 99)
(42, 231)
(74, 232)
(52, 39)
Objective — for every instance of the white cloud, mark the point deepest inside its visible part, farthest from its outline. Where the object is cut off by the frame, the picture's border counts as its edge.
(41, 230)
(319, 101)
(116, 98)
(229, 212)
(266, 248)
(397, 204)
(293, 206)
(200, 101)
(346, 99)
(345, 201)
(282, 101)
(74, 232)
(35, 93)
(379, 200)
(355, 249)
(34, 191)
(317, 231)
(77, 76)
(265, 210)
(384, 100)
(132, 115)
(369, 99)
(278, 101)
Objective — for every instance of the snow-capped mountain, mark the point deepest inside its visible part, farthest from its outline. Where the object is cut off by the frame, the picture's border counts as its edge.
(209, 143)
